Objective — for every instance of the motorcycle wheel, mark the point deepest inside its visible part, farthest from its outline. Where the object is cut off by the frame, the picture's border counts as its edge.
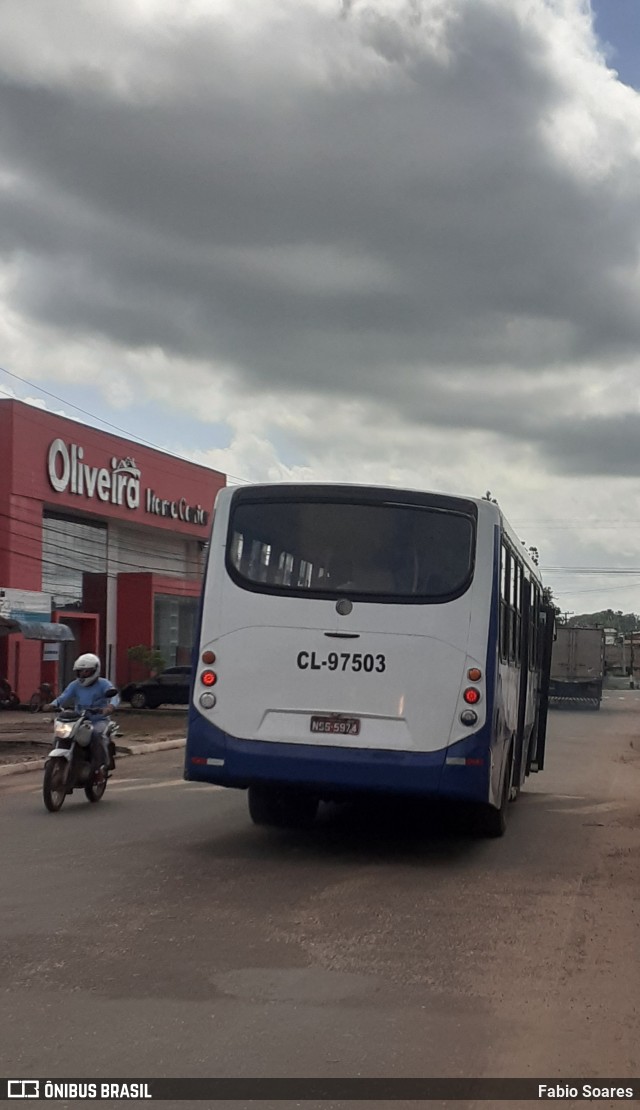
(95, 790)
(54, 786)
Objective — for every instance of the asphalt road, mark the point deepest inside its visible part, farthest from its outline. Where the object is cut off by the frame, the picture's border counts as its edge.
(160, 934)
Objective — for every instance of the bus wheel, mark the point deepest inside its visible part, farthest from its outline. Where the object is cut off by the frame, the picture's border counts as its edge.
(492, 822)
(281, 808)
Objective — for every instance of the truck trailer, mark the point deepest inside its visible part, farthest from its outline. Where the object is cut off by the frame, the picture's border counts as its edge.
(577, 666)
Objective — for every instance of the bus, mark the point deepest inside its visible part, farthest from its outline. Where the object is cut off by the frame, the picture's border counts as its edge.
(360, 640)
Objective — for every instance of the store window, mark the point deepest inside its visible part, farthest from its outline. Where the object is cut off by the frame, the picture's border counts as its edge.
(174, 622)
(69, 548)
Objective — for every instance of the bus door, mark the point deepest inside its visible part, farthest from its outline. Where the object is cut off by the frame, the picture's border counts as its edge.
(548, 636)
(526, 678)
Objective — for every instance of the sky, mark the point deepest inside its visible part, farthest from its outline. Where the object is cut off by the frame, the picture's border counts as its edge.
(382, 241)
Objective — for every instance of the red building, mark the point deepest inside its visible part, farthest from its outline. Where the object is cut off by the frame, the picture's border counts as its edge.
(101, 534)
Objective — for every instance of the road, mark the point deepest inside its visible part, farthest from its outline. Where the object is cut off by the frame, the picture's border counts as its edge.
(161, 934)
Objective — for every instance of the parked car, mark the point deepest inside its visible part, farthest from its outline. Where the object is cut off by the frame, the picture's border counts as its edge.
(170, 687)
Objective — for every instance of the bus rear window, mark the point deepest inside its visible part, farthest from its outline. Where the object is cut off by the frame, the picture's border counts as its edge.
(386, 550)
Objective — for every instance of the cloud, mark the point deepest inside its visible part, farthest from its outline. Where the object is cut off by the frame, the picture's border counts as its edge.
(303, 189)
(394, 238)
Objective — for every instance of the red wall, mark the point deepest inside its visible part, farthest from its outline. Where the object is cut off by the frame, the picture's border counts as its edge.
(26, 434)
(135, 619)
(20, 560)
(21, 516)
(171, 479)
(136, 594)
(94, 600)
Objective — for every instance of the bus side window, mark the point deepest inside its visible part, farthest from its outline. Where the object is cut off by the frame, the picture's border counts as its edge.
(534, 620)
(512, 607)
(517, 612)
(505, 582)
(511, 594)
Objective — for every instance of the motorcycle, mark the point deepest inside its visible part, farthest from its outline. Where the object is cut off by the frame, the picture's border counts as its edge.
(70, 764)
(42, 697)
(8, 700)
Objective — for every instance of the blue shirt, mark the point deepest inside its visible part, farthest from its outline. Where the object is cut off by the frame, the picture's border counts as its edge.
(92, 698)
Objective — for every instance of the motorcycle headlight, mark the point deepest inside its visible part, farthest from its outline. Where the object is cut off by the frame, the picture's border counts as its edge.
(62, 730)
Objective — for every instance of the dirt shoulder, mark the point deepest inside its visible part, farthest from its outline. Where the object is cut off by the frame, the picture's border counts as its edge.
(27, 736)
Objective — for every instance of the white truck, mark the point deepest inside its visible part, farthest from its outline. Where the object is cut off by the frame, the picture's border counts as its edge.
(577, 666)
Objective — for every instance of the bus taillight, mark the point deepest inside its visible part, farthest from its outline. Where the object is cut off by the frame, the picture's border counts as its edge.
(208, 657)
(208, 678)
(474, 674)
(471, 695)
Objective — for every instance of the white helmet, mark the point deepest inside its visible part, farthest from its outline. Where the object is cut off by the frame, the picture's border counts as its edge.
(87, 669)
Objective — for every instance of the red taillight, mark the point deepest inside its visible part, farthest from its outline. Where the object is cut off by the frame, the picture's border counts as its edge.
(208, 678)
(471, 695)
(474, 675)
(208, 657)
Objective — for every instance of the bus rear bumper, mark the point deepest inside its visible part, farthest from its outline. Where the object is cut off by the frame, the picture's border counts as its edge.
(460, 771)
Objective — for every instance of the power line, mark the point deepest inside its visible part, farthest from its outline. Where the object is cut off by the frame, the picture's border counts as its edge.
(85, 412)
(167, 457)
(50, 528)
(57, 563)
(606, 589)
(114, 559)
(194, 576)
(566, 524)
(570, 522)
(57, 559)
(75, 545)
(605, 571)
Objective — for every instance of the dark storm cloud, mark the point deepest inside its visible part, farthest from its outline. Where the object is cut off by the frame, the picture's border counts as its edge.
(600, 445)
(340, 199)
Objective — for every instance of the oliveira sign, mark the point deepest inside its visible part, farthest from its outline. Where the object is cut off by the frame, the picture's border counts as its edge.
(119, 484)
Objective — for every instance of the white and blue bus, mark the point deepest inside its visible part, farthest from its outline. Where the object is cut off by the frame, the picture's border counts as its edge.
(359, 640)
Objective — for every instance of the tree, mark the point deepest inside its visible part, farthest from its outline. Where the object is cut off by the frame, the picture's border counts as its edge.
(150, 658)
(607, 618)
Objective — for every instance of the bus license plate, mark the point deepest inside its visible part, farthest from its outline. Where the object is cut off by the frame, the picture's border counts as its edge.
(343, 726)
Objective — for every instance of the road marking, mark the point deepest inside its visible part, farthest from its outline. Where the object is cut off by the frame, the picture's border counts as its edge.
(17, 785)
(595, 807)
(122, 789)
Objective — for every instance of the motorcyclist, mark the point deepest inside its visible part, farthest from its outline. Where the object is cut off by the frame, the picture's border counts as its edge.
(89, 692)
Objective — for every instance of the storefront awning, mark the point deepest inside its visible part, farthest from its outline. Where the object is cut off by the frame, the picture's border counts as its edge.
(36, 630)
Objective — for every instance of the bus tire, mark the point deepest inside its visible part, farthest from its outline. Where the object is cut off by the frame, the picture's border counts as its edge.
(492, 820)
(281, 808)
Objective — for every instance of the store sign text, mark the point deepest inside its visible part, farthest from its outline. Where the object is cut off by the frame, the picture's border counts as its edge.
(118, 485)
(175, 510)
